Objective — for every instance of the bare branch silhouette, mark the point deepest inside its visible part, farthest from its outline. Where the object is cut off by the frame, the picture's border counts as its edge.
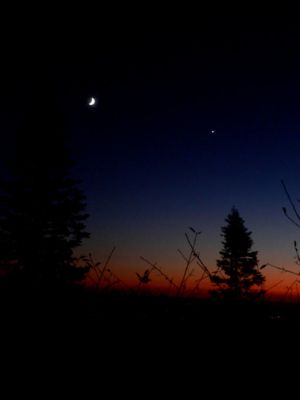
(273, 286)
(291, 203)
(106, 264)
(283, 269)
(297, 252)
(188, 260)
(160, 271)
(102, 278)
(188, 273)
(290, 288)
(196, 255)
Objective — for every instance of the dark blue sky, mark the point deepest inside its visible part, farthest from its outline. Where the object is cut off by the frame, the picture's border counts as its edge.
(150, 165)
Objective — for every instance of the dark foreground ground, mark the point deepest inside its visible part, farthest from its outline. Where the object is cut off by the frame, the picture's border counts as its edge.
(152, 341)
(96, 314)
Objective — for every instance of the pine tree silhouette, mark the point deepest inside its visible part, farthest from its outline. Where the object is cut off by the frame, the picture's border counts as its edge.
(238, 272)
(42, 217)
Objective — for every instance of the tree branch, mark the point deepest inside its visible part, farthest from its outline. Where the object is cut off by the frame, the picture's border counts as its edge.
(291, 202)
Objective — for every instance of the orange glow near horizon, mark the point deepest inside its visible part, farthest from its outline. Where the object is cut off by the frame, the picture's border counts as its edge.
(279, 285)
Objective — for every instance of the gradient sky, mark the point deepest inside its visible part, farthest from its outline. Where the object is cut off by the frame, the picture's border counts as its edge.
(150, 165)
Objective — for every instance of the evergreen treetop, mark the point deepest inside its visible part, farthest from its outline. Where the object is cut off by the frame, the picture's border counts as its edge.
(238, 274)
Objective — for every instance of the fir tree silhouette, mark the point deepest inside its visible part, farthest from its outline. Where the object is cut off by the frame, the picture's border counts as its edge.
(41, 208)
(238, 273)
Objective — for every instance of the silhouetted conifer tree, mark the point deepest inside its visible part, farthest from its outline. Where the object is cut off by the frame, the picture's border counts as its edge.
(238, 275)
(41, 209)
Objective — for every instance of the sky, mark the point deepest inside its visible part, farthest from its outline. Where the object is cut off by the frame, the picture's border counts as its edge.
(150, 164)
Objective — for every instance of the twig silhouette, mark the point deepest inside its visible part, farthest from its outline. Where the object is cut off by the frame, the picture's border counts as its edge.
(154, 267)
(102, 278)
(196, 254)
(273, 286)
(196, 288)
(280, 269)
(113, 280)
(106, 264)
(188, 273)
(292, 205)
(297, 252)
(188, 260)
(94, 267)
(290, 289)
(283, 269)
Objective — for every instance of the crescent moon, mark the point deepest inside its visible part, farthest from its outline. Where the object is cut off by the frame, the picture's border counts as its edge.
(92, 101)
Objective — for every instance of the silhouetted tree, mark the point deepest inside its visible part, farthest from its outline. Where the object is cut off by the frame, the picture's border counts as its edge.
(42, 217)
(238, 273)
